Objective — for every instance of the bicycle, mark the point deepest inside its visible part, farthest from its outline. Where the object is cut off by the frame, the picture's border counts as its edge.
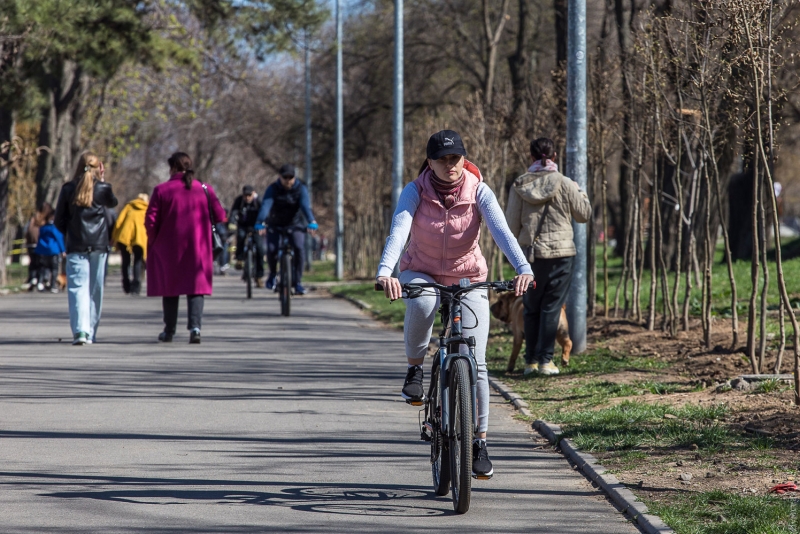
(451, 415)
(285, 283)
(249, 252)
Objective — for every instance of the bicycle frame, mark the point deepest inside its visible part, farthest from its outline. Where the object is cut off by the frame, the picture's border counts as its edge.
(452, 333)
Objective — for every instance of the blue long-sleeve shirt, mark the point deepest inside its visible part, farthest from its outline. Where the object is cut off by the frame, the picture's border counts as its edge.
(276, 191)
(51, 241)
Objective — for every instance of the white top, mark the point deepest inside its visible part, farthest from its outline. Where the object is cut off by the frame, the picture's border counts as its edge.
(489, 210)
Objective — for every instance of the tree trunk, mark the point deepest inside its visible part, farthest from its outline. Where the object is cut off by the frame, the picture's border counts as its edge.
(621, 229)
(6, 134)
(518, 69)
(492, 40)
(60, 133)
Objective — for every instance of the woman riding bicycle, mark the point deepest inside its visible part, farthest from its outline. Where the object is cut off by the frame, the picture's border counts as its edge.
(442, 210)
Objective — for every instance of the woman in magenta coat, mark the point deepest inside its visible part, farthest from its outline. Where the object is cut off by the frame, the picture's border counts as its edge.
(179, 255)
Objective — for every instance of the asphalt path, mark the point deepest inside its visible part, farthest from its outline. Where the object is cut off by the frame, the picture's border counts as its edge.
(272, 424)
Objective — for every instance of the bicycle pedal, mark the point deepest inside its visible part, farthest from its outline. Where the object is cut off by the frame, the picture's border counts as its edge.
(414, 402)
(424, 436)
(481, 477)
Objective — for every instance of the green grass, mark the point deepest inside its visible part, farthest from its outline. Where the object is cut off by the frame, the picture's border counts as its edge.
(321, 271)
(381, 308)
(16, 274)
(771, 385)
(633, 425)
(719, 512)
(721, 290)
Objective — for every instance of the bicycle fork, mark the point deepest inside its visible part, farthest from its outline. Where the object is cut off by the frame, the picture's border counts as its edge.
(446, 362)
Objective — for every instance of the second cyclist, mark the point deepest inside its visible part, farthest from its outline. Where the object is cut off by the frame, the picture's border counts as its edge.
(284, 205)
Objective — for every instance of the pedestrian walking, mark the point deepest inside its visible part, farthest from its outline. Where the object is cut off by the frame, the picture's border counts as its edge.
(541, 206)
(179, 257)
(31, 240)
(130, 238)
(49, 250)
(81, 217)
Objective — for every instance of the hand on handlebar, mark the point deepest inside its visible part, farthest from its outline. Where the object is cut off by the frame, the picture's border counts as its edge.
(391, 287)
(521, 283)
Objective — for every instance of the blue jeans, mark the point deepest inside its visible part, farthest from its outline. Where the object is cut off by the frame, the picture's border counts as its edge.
(86, 272)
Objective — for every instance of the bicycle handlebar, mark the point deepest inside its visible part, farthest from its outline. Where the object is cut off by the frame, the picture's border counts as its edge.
(415, 290)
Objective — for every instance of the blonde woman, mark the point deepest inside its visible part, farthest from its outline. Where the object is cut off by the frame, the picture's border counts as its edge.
(81, 217)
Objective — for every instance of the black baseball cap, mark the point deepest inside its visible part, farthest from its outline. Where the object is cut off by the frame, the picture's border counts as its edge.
(445, 143)
(246, 190)
(286, 170)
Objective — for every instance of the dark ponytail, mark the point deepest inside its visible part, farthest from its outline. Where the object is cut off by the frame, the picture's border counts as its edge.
(424, 166)
(181, 162)
(543, 149)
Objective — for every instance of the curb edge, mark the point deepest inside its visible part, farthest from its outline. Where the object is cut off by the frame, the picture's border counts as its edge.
(620, 495)
(359, 303)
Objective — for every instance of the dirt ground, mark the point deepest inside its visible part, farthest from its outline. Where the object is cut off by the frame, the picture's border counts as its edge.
(772, 416)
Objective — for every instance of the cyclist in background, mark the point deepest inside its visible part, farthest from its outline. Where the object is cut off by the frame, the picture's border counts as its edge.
(286, 205)
(244, 213)
(442, 210)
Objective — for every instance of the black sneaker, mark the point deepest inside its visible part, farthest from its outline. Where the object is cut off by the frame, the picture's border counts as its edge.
(194, 336)
(412, 389)
(481, 464)
(165, 337)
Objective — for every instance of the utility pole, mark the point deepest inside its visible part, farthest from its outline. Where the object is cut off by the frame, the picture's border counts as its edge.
(397, 127)
(576, 162)
(339, 148)
(307, 172)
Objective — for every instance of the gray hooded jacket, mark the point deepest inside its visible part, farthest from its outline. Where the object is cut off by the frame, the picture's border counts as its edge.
(526, 203)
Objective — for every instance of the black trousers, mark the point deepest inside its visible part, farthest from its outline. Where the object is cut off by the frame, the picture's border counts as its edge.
(298, 244)
(195, 304)
(131, 281)
(48, 270)
(241, 234)
(543, 307)
(33, 266)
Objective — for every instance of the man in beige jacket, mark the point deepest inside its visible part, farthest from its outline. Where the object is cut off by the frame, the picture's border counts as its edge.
(541, 206)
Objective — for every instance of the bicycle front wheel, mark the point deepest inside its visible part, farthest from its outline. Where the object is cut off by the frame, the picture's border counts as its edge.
(440, 456)
(248, 272)
(286, 284)
(461, 435)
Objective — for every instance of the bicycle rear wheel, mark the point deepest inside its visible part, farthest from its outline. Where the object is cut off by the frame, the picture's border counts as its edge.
(440, 456)
(286, 284)
(248, 272)
(461, 435)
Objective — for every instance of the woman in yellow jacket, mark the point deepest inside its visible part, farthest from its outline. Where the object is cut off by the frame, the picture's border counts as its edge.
(131, 240)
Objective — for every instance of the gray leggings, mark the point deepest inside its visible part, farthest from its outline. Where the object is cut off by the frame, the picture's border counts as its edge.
(420, 316)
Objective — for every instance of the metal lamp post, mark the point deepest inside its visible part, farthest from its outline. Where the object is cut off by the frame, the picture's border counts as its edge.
(576, 162)
(339, 148)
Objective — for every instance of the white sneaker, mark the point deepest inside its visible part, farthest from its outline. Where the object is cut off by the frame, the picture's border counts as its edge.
(40, 286)
(531, 369)
(548, 368)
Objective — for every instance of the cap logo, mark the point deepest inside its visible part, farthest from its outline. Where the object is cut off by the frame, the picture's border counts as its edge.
(448, 142)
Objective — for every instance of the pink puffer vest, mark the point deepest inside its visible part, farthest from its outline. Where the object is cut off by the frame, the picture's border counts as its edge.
(444, 243)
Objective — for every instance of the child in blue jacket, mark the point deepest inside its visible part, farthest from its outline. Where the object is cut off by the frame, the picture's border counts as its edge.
(50, 248)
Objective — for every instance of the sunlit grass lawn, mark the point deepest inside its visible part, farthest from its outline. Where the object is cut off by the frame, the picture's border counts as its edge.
(580, 398)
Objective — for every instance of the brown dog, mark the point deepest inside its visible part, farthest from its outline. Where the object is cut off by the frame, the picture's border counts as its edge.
(509, 309)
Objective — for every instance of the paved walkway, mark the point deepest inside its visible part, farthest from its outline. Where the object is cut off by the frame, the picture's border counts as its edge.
(272, 424)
